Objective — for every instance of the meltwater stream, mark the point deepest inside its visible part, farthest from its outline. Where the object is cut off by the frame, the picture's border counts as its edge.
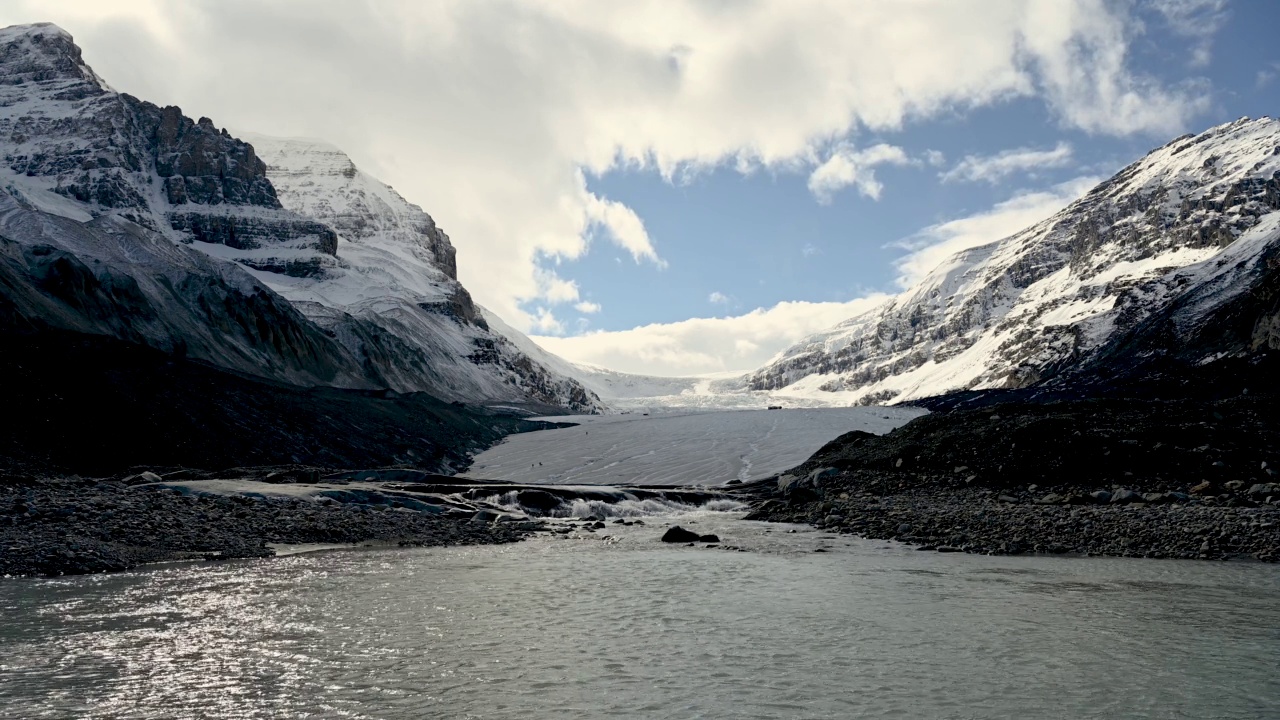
(614, 624)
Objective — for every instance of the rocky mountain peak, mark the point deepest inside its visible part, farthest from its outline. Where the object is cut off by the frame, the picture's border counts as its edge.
(43, 53)
(317, 179)
(68, 136)
(351, 284)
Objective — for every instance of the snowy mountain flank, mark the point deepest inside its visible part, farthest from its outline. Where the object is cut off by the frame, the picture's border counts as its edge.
(393, 296)
(1170, 241)
(125, 219)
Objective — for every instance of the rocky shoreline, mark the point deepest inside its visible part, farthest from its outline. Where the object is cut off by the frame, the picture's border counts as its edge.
(1118, 522)
(78, 526)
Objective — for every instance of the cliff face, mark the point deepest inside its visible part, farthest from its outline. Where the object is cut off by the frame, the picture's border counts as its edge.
(127, 219)
(1022, 309)
(68, 133)
(393, 299)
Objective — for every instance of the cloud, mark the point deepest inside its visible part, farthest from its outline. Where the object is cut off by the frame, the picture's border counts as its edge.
(933, 245)
(1199, 20)
(809, 250)
(553, 288)
(745, 342)
(935, 158)
(718, 297)
(544, 321)
(490, 114)
(1080, 71)
(704, 345)
(624, 227)
(847, 166)
(587, 308)
(994, 168)
(1266, 75)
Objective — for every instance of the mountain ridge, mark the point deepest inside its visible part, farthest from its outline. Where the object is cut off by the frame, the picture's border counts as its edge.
(1014, 311)
(106, 162)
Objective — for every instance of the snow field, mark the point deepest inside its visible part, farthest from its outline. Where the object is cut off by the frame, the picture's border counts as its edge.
(697, 448)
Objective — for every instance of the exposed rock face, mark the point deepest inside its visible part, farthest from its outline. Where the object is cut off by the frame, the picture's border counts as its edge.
(112, 277)
(68, 133)
(351, 285)
(1017, 311)
(394, 299)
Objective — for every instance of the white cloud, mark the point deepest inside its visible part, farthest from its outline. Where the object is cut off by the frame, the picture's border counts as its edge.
(488, 113)
(1196, 19)
(1266, 75)
(587, 308)
(935, 158)
(994, 168)
(809, 250)
(545, 321)
(623, 226)
(847, 166)
(1079, 68)
(704, 345)
(718, 297)
(745, 342)
(553, 288)
(930, 247)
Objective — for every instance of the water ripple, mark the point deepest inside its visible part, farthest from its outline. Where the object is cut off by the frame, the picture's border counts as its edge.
(577, 626)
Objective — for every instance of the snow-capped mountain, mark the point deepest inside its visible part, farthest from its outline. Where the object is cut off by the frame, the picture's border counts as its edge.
(345, 283)
(1174, 235)
(393, 298)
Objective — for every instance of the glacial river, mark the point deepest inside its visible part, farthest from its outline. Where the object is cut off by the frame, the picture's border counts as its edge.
(617, 625)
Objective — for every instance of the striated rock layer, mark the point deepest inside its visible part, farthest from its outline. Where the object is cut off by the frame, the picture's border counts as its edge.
(1197, 217)
(346, 284)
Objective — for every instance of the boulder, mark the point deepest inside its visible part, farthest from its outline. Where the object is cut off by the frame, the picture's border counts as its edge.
(817, 476)
(1102, 497)
(798, 489)
(484, 517)
(677, 534)
(1259, 491)
(709, 538)
(539, 500)
(1124, 496)
(142, 478)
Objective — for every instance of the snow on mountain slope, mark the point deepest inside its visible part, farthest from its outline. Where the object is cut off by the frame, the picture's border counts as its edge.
(112, 277)
(75, 147)
(1007, 313)
(373, 278)
(392, 296)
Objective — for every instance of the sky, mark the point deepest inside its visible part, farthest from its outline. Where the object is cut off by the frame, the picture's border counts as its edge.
(690, 186)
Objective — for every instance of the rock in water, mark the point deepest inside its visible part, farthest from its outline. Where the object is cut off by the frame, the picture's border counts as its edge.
(539, 500)
(678, 534)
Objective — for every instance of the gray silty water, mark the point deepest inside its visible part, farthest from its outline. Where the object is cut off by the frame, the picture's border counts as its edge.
(615, 624)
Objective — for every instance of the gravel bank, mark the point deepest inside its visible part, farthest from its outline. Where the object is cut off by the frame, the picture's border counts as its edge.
(980, 520)
(55, 527)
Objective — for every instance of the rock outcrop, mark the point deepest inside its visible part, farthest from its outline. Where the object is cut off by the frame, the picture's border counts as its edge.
(345, 284)
(68, 133)
(1182, 223)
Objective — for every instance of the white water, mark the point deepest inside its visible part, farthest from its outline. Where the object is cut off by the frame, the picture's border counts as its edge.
(615, 624)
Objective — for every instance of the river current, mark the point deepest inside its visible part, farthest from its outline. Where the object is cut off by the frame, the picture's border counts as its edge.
(615, 624)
